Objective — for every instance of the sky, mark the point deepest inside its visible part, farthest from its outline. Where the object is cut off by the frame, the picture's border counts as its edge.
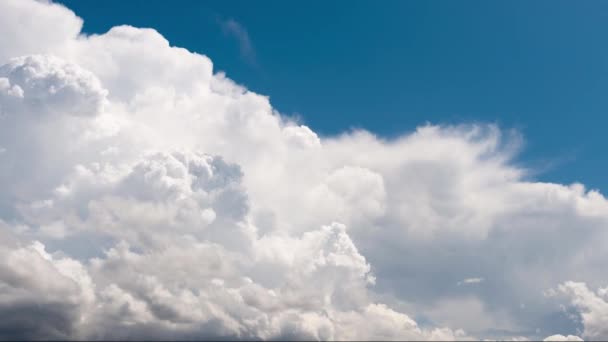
(351, 171)
(540, 68)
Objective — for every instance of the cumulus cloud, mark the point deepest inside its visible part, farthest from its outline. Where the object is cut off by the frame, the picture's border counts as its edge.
(591, 306)
(563, 338)
(39, 84)
(147, 197)
(30, 27)
(42, 296)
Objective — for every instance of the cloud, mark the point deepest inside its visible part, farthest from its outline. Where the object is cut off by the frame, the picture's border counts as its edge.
(40, 84)
(592, 308)
(470, 281)
(33, 308)
(49, 26)
(236, 30)
(160, 200)
(563, 338)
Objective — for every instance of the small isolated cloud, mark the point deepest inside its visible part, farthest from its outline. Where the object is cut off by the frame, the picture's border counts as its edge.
(236, 30)
(470, 281)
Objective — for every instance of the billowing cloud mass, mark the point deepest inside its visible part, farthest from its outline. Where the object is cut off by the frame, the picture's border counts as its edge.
(145, 196)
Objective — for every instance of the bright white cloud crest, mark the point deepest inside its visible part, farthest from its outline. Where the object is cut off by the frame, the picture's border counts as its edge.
(146, 197)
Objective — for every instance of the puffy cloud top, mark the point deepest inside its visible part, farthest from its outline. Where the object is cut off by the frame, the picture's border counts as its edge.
(30, 27)
(39, 84)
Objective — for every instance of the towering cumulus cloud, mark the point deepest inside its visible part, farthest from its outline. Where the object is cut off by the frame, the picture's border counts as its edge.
(146, 197)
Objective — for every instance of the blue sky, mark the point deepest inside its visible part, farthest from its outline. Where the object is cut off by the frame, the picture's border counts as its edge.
(539, 67)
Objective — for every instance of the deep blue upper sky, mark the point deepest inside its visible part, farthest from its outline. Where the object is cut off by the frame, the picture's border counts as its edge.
(540, 67)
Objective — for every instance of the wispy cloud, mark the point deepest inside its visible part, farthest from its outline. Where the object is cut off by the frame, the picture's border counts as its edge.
(234, 29)
(470, 281)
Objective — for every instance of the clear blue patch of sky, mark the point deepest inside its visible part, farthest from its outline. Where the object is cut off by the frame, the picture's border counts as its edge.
(389, 66)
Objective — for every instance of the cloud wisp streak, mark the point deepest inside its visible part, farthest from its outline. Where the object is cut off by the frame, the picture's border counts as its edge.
(234, 29)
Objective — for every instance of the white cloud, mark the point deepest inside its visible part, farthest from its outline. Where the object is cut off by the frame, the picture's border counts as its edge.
(470, 281)
(159, 200)
(563, 338)
(39, 84)
(592, 307)
(30, 27)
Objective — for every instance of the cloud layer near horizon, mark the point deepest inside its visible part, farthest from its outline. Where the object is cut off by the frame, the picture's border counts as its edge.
(147, 197)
